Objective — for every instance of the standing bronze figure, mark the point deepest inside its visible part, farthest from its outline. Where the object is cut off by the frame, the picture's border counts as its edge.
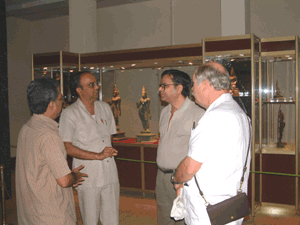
(144, 110)
(281, 125)
(115, 105)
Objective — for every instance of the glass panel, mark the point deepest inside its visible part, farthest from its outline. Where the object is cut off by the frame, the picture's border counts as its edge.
(54, 72)
(239, 68)
(278, 115)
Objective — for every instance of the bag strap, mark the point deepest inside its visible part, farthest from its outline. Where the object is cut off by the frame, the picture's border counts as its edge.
(244, 170)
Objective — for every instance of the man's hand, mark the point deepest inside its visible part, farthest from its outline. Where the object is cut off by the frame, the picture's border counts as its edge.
(78, 176)
(107, 152)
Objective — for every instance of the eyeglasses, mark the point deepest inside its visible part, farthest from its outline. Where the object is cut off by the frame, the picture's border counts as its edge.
(163, 86)
(92, 84)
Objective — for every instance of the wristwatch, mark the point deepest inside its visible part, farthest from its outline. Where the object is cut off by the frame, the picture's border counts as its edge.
(173, 181)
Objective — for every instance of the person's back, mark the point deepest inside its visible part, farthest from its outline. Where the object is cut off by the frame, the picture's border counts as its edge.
(39, 199)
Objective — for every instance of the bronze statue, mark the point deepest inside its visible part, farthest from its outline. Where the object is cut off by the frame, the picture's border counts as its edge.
(144, 110)
(281, 125)
(278, 94)
(233, 79)
(115, 105)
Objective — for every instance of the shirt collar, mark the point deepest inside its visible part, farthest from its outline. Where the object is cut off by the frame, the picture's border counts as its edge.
(223, 98)
(52, 123)
(182, 108)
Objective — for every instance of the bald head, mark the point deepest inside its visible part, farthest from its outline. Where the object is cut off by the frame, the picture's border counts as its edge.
(217, 66)
(215, 74)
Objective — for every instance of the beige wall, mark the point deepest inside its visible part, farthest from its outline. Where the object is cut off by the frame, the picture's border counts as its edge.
(19, 70)
(50, 35)
(275, 18)
(194, 20)
(138, 25)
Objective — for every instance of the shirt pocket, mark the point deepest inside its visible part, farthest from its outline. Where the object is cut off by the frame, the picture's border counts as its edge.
(83, 132)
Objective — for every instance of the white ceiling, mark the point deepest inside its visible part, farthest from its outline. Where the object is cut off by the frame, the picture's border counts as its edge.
(43, 9)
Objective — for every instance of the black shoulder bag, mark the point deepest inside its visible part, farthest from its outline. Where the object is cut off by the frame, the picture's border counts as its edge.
(230, 209)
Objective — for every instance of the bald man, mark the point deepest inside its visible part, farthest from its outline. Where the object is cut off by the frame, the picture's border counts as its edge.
(217, 147)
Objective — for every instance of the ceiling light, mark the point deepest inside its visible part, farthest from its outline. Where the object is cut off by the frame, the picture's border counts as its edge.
(133, 64)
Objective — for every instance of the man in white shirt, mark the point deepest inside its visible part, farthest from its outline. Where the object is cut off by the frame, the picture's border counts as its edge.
(86, 127)
(217, 148)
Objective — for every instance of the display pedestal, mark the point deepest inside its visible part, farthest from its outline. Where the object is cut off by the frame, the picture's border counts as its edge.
(145, 136)
(119, 136)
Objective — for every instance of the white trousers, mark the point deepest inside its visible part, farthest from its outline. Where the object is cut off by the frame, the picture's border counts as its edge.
(100, 202)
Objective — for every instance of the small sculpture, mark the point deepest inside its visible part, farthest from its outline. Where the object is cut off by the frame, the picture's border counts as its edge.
(278, 94)
(144, 110)
(281, 125)
(115, 105)
(233, 79)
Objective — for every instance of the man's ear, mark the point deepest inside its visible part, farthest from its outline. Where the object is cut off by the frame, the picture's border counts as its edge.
(206, 84)
(51, 106)
(179, 88)
(78, 90)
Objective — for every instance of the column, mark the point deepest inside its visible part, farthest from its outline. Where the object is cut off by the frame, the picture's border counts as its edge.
(83, 26)
(235, 17)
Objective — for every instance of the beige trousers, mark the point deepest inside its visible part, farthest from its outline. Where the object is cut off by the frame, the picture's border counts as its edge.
(165, 195)
(101, 202)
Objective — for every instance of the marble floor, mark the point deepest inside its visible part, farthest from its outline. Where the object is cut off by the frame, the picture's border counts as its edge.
(139, 209)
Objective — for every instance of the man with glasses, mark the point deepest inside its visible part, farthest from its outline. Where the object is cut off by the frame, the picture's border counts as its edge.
(86, 127)
(176, 121)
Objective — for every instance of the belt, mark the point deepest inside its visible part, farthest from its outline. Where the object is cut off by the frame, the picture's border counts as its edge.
(165, 171)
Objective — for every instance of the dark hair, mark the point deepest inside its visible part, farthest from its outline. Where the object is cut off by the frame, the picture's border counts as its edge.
(75, 81)
(180, 77)
(40, 93)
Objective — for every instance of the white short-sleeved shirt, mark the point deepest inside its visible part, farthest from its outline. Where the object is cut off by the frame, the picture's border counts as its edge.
(91, 133)
(220, 143)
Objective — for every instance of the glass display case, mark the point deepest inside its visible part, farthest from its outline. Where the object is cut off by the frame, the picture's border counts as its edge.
(57, 65)
(279, 120)
(241, 56)
(264, 81)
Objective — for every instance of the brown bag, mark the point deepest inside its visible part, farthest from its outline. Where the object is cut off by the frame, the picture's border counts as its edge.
(229, 210)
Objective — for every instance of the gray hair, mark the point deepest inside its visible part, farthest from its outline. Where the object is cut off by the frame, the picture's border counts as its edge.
(219, 80)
